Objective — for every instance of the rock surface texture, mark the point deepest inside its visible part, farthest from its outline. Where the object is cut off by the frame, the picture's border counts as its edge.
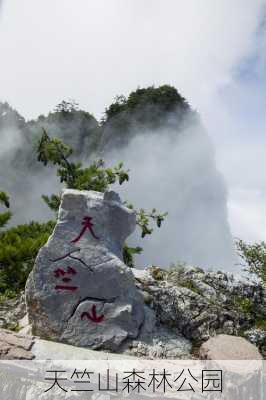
(11, 311)
(258, 337)
(226, 347)
(14, 346)
(200, 304)
(80, 292)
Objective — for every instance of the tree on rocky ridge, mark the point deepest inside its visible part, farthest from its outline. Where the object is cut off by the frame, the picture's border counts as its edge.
(254, 256)
(96, 177)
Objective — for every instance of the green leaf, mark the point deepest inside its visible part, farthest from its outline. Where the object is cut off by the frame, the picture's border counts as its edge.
(4, 199)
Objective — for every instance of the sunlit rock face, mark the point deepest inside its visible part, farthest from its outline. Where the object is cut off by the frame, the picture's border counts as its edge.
(79, 291)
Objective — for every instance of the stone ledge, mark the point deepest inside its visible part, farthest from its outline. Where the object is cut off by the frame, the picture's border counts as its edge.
(14, 346)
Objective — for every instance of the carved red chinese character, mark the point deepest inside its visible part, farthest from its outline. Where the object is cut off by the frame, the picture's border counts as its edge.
(60, 273)
(87, 225)
(64, 287)
(93, 315)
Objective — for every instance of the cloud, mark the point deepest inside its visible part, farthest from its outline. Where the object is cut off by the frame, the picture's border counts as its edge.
(94, 50)
(175, 172)
(238, 125)
(214, 53)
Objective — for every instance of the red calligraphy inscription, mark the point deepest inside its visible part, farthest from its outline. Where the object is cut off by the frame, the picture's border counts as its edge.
(60, 273)
(87, 225)
(64, 287)
(93, 315)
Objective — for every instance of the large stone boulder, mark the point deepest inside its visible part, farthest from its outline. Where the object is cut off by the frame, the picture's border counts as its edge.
(80, 292)
(226, 347)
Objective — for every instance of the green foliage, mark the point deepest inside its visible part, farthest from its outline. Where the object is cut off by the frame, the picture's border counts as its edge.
(144, 218)
(95, 177)
(261, 324)
(128, 254)
(176, 275)
(244, 305)
(254, 256)
(8, 294)
(164, 98)
(4, 216)
(190, 284)
(10, 117)
(4, 199)
(18, 249)
(72, 174)
(66, 107)
(176, 272)
(75, 127)
(158, 273)
(146, 110)
(151, 108)
(52, 201)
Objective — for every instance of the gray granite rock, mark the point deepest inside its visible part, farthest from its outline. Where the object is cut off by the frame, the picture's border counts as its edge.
(201, 304)
(80, 291)
(157, 341)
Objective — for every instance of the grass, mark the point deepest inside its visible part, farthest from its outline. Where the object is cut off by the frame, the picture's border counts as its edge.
(260, 324)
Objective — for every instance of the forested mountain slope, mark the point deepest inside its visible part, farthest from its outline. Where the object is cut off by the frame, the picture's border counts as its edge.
(161, 139)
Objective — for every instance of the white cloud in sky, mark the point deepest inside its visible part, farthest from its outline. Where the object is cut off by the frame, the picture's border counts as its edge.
(95, 49)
